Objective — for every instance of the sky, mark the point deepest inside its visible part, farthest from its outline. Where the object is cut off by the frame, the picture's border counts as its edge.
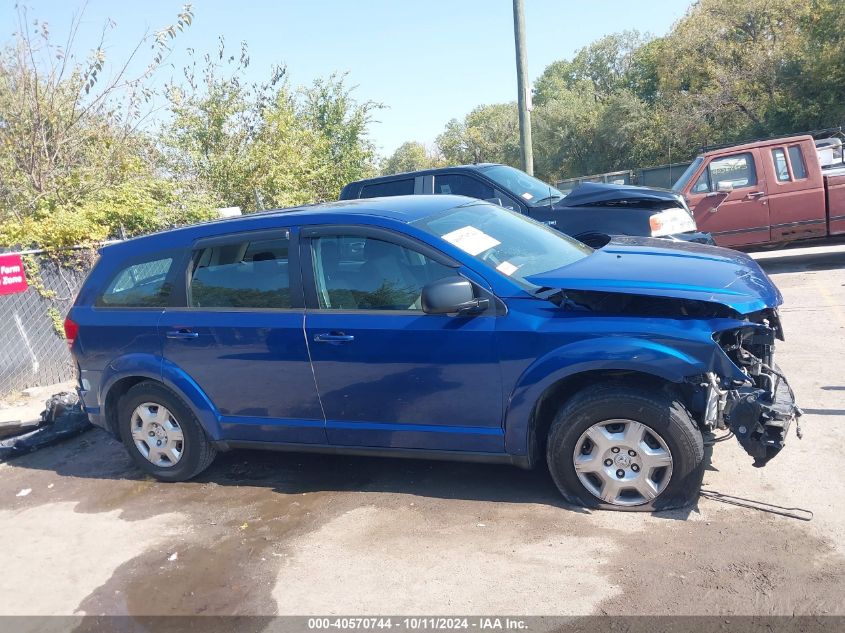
(428, 61)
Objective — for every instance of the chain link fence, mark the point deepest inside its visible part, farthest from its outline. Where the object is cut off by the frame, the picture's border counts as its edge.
(33, 351)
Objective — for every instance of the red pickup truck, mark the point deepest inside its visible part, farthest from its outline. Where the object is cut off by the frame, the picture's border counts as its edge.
(765, 193)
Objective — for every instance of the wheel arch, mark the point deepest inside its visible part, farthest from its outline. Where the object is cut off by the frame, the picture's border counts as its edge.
(552, 379)
(128, 374)
(560, 392)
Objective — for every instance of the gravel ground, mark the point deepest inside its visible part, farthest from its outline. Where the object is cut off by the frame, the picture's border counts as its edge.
(267, 533)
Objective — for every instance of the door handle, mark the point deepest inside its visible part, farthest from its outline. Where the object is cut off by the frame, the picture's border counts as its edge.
(333, 337)
(181, 334)
(755, 194)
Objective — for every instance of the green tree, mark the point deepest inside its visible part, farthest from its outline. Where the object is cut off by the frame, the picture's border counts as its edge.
(410, 156)
(745, 81)
(265, 145)
(75, 166)
(490, 133)
(602, 67)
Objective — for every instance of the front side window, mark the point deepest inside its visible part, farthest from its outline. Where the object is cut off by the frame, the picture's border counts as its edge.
(462, 185)
(796, 159)
(702, 185)
(781, 170)
(530, 189)
(362, 273)
(511, 243)
(243, 274)
(141, 285)
(689, 172)
(737, 171)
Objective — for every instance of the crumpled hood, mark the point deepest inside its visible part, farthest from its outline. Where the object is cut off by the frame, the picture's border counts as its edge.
(598, 193)
(683, 270)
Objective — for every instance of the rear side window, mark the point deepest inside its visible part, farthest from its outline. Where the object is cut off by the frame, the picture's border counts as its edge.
(781, 170)
(141, 285)
(242, 274)
(461, 185)
(403, 187)
(796, 159)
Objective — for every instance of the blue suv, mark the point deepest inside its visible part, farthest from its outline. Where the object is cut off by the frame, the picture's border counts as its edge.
(434, 327)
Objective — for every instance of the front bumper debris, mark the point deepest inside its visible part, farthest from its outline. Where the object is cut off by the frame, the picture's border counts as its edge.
(760, 422)
(699, 237)
(760, 409)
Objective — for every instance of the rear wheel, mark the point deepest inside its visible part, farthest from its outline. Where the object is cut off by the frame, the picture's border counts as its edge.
(162, 434)
(625, 448)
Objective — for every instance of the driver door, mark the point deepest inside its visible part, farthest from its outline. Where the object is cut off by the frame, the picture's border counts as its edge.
(388, 374)
(728, 199)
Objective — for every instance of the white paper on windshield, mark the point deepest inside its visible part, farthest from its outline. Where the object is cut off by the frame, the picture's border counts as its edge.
(471, 240)
(527, 196)
(507, 268)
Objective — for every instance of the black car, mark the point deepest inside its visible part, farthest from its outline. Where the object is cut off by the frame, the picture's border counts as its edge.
(590, 213)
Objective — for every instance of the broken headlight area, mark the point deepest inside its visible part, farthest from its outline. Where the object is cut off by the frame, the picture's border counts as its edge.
(760, 409)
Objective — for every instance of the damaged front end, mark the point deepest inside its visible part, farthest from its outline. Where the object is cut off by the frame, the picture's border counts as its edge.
(744, 391)
(760, 409)
(733, 305)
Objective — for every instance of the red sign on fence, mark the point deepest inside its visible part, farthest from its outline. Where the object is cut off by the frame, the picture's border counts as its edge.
(12, 277)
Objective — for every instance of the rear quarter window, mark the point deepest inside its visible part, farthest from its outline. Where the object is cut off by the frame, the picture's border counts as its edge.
(139, 285)
(403, 187)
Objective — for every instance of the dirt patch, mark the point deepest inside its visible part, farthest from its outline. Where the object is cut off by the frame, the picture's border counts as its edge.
(407, 560)
(738, 563)
(56, 556)
(265, 533)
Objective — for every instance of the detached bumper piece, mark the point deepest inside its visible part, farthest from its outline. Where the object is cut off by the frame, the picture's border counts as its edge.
(698, 237)
(760, 422)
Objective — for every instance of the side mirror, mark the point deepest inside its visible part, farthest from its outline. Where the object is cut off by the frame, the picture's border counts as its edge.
(724, 187)
(451, 295)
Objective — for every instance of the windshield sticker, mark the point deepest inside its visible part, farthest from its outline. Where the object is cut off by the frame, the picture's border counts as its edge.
(470, 240)
(527, 196)
(507, 268)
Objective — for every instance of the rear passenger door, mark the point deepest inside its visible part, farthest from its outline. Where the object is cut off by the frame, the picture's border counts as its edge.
(239, 336)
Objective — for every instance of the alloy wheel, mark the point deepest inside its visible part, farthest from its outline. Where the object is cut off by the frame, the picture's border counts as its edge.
(157, 434)
(623, 462)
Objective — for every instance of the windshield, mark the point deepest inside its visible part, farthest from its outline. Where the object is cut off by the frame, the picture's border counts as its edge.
(688, 173)
(530, 189)
(512, 244)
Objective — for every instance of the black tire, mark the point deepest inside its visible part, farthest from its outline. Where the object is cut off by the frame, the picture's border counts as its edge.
(197, 451)
(657, 409)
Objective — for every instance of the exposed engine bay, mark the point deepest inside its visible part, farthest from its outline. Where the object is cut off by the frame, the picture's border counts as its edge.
(760, 413)
(758, 409)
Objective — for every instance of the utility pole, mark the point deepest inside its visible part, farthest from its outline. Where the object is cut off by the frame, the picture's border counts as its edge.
(523, 94)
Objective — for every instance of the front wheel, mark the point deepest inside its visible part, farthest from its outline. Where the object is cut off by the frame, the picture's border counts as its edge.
(625, 448)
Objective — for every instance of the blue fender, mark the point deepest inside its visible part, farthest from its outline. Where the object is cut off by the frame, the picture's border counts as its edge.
(180, 382)
(156, 368)
(603, 353)
(129, 365)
